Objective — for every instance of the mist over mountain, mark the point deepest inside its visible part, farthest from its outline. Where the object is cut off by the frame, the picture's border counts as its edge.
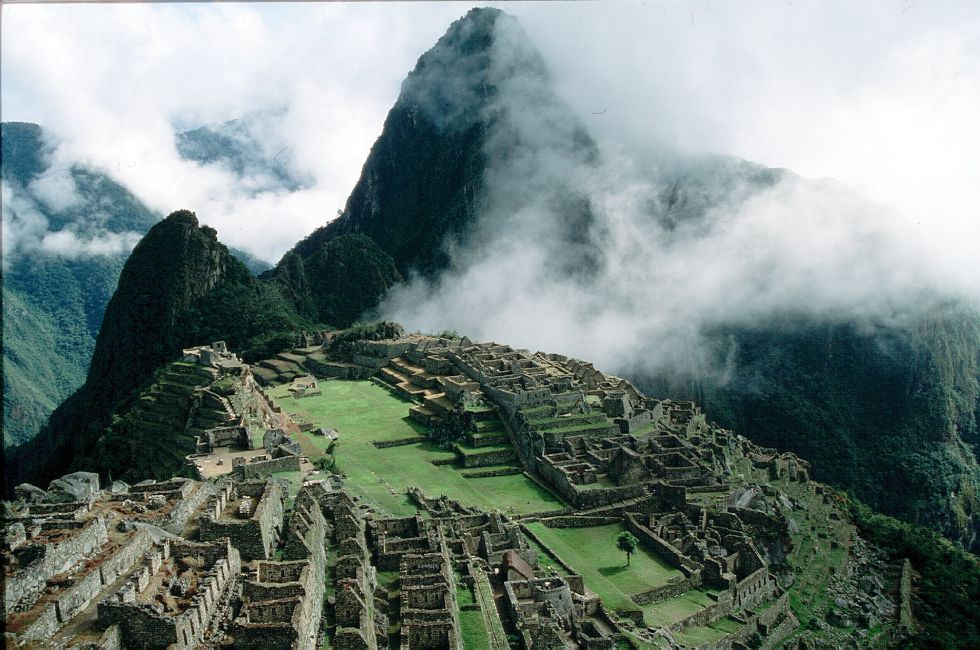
(66, 233)
(790, 306)
(248, 148)
(67, 229)
(794, 309)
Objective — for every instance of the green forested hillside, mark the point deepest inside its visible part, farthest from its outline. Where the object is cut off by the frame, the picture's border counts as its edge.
(889, 414)
(179, 287)
(53, 299)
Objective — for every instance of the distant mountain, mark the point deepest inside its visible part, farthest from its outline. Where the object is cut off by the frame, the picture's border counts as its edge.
(890, 415)
(61, 263)
(425, 179)
(70, 232)
(243, 147)
(179, 285)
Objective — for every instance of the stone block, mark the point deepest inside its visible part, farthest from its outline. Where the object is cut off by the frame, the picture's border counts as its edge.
(79, 485)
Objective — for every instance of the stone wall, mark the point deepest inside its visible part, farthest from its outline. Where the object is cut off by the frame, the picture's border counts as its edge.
(255, 537)
(660, 546)
(123, 560)
(487, 459)
(143, 625)
(24, 585)
(175, 521)
(675, 587)
(261, 468)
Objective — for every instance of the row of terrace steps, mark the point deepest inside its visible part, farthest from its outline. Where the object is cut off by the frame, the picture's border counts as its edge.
(411, 382)
(488, 432)
(169, 400)
(484, 456)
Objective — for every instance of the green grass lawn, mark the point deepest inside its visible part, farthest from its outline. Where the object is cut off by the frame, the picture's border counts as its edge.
(363, 412)
(593, 554)
(670, 611)
(473, 630)
(696, 636)
(295, 479)
(546, 560)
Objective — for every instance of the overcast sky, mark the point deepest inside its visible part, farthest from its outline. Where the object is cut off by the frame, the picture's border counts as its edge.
(880, 95)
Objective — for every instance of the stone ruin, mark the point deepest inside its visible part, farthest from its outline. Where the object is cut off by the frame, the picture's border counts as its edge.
(189, 564)
(254, 530)
(304, 387)
(217, 355)
(165, 564)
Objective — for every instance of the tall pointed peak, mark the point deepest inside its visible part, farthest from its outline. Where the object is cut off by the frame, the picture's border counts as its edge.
(455, 82)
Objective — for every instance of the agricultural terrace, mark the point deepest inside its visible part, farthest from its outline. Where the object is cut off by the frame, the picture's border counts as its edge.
(362, 413)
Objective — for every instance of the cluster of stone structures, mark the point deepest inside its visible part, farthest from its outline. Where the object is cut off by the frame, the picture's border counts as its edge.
(609, 451)
(199, 564)
(178, 564)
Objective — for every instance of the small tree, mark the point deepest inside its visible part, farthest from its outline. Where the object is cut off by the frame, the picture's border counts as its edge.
(627, 543)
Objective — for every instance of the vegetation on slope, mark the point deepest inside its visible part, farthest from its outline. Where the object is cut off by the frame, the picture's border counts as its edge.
(889, 415)
(339, 281)
(180, 287)
(53, 303)
(946, 587)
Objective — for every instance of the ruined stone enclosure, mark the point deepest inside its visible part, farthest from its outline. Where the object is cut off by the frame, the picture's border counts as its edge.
(472, 499)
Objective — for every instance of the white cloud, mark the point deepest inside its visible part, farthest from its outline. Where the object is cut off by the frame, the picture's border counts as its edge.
(56, 189)
(26, 229)
(66, 243)
(111, 82)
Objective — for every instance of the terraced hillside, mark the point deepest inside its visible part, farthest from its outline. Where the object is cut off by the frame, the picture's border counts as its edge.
(183, 400)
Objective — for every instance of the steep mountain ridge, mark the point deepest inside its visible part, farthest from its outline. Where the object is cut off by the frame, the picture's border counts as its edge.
(70, 231)
(424, 183)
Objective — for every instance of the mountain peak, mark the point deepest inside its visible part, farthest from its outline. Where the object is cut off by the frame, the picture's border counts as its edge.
(454, 83)
(182, 217)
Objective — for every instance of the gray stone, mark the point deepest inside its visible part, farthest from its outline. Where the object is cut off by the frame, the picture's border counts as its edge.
(119, 487)
(29, 493)
(80, 485)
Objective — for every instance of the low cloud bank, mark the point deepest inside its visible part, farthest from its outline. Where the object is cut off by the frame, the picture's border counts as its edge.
(677, 248)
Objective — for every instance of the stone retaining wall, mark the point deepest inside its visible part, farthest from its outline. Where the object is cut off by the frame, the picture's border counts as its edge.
(674, 588)
(385, 444)
(504, 471)
(660, 546)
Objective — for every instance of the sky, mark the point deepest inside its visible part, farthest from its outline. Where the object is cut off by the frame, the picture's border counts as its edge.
(879, 95)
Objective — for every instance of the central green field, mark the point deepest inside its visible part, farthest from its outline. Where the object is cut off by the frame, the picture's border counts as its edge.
(363, 412)
(592, 553)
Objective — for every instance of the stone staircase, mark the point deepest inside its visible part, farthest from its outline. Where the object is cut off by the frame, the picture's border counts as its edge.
(413, 383)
